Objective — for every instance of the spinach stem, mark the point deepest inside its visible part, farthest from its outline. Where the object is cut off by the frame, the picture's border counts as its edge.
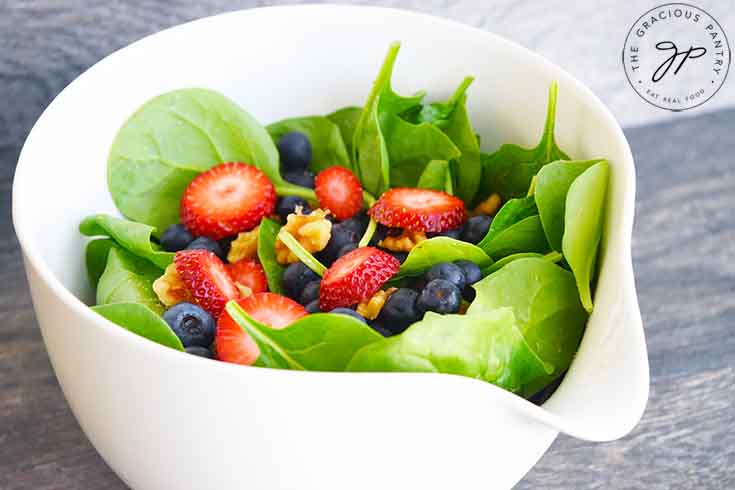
(531, 187)
(460, 90)
(448, 187)
(548, 136)
(369, 232)
(301, 253)
(553, 257)
(368, 198)
(295, 190)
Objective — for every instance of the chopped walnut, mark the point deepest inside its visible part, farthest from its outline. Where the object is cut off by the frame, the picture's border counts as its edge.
(489, 206)
(312, 231)
(370, 308)
(403, 242)
(245, 246)
(463, 307)
(170, 289)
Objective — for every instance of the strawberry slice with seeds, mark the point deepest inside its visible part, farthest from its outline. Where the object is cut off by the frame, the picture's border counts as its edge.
(339, 191)
(419, 210)
(227, 199)
(233, 344)
(207, 278)
(248, 273)
(356, 276)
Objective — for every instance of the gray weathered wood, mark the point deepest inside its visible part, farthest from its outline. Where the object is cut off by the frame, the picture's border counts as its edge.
(684, 252)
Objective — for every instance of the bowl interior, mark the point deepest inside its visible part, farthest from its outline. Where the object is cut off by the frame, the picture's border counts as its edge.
(313, 60)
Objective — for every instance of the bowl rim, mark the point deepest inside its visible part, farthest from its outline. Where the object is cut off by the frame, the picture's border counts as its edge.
(34, 258)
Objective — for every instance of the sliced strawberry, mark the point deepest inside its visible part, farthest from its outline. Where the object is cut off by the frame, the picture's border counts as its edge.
(250, 274)
(233, 344)
(355, 277)
(227, 199)
(419, 210)
(206, 277)
(339, 191)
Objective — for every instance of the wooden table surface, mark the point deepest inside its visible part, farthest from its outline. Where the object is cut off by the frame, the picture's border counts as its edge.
(683, 248)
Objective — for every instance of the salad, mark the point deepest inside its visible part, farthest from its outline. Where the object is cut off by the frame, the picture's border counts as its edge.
(374, 238)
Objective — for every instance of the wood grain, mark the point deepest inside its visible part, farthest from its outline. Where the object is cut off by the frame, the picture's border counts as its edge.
(684, 246)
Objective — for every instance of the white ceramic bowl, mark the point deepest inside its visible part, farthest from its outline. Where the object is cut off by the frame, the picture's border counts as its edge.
(163, 419)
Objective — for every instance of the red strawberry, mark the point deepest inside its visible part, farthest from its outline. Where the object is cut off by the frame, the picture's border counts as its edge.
(356, 276)
(227, 199)
(206, 277)
(249, 273)
(233, 344)
(339, 191)
(419, 210)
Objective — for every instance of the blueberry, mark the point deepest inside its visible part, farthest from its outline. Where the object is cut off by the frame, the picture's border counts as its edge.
(473, 274)
(225, 244)
(381, 231)
(455, 233)
(206, 243)
(287, 205)
(341, 236)
(295, 151)
(200, 351)
(446, 270)
(346, 249)
(380, 328)
(304, 178)
(191, 324)
(358, 223)
(176, 237)
(310, 292)
(399, 311)
(313, 307)
(476, 228)
(349, 312)
(440, 296)
(295, 278)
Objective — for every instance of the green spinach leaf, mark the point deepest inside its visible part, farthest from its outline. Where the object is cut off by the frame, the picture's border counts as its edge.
(515, 229)
(583, 221)
(346, 120)
(318, 342)
(496, 266)
(267, 234)
(132, 236)
(489, 347)
(440, 249)
(552, 184)
(171, 139)
(510, 169)
(96, 258)
(436, 175)
(128, 279)
(140, 320)
(545, 303)
(325, 137)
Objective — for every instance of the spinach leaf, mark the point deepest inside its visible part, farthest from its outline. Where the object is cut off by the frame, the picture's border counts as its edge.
(328, 149)
(140, 320)
(128, 279)
(96, 258)
(346, 120)
(452, 118)
(552, 184)
(583, 220)
(515, 229)
(436, 175)
(509, 170)
(172, 138)
(496, 266)
(489, 347)
(440, 249)
(318, 342)
(132, 236)
(545, 303)
(267, 234)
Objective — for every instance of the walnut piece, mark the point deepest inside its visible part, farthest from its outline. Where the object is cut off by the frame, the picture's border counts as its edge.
(403, 242)
(370, 308)
(312, 231)
(170, 289)
(489, 206)
(245, 246)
